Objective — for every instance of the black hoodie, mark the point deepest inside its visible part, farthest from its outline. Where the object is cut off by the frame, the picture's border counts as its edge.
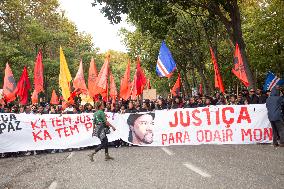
(273, 104)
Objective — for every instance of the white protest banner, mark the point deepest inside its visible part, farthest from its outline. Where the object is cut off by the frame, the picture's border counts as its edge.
(21, 132)
(192, 126)
(242, 124)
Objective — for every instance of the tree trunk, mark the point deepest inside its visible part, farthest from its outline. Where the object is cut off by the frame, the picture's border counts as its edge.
(234, 29)
(238, 38)
(186, 84)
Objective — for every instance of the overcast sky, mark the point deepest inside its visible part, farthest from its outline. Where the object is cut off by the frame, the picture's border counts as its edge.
(89, 19)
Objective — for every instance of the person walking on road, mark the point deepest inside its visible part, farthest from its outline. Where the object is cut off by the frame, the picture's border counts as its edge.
(275, 116)
(101, 127)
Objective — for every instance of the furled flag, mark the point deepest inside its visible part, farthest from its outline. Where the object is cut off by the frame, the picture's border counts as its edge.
(93, 74)
(102, 80)
(23, 87)
(38, 73)
(9, 86)
(112, 91)
(132, 89)
(79, 80)
(218, 79)
(148, 84)
(165, 63)
(34, 97)
(139, 80)
(200, 89)
(124, 85)
(64, 76)
(271, 81)
(239, 69)
(2, 101)
(176, 88)
(54, 98)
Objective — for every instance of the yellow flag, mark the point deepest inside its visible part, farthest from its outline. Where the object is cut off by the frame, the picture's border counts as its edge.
(64, 76)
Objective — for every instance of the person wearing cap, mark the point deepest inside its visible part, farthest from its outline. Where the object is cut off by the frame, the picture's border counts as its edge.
(141, 128)
(275, 116)
(101, 129)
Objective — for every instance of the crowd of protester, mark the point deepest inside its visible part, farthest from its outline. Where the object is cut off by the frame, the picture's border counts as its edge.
(132, 106)
(245, 97)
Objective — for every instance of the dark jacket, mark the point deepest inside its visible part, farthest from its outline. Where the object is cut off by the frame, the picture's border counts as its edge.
(132, 110)
(273, 104)
(262, 99)
(253, 99)
(160, 107)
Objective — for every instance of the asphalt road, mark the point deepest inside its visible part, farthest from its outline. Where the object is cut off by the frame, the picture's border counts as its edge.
(204, 166)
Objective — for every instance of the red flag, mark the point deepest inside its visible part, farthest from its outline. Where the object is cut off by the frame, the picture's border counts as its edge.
(93, 74)
(23, 87)
(176, 88)
(34, 97)
(54, 98)
(218, 79)
(139, 79)
(112, 91)
(200, 89)
(124, 85)
(239, 68)
(9, 86)
(102, 81)
(79, 80)
(38, 73)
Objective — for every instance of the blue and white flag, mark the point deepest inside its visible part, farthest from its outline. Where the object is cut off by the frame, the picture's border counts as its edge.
(271, 81)
(165, 63)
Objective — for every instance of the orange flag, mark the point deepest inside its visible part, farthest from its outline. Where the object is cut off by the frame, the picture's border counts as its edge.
(34, 97)
(9, 86)
(112, 91)
(23, 87)
(124, 85)
(38, 73)
(218, 79)
(176, 88)
(93, 74)
(54, 98)
(102, 81)
(239, 68)
(79, 80)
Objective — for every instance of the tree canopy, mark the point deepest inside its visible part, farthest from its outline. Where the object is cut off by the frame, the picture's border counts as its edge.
(190, 27)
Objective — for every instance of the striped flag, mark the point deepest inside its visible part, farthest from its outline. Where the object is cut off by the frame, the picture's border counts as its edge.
(271, 81)
(165, 63)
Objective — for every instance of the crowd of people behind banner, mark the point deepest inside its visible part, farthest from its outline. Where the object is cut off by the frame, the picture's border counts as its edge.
(245, 97)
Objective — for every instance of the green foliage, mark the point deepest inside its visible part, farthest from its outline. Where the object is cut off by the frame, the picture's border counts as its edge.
(191, 27)
(29, 25)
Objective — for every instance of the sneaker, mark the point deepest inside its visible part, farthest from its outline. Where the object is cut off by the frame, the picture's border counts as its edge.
(91, 156)
(28, 154)
(53, 151)
(107, 157)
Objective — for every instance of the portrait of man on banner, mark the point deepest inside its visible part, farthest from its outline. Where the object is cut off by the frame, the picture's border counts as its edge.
(141, 128)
